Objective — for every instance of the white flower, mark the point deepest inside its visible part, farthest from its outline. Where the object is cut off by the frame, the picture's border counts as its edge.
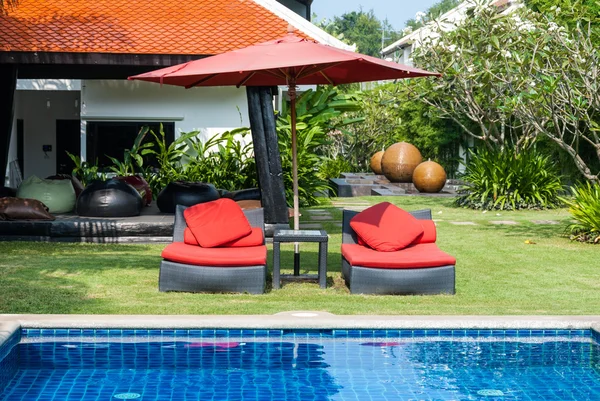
(507, 54)
(419, 16)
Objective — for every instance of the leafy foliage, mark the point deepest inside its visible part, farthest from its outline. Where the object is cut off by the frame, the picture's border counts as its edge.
(584, 206)
(85, 171)
(570, 13)
(318, 113)
(391, 114)
(132, 158)
(224, 161)
(361, 28)
(334, 167)
(508, 181)
(510, 78)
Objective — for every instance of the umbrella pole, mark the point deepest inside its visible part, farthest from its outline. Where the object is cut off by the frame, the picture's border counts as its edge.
(292, 93)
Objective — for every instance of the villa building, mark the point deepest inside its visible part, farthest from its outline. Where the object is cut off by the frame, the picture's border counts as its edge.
(64, 65)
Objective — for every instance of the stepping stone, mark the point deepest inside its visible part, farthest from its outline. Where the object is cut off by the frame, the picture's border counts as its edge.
(463, 223)
(338, 224)
(504, 222)
(545, 222)
(321, 217)
(310, 226)
(317, 211)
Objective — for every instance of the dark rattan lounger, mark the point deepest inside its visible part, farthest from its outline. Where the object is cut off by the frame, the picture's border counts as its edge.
(193, 278)
(404, 281)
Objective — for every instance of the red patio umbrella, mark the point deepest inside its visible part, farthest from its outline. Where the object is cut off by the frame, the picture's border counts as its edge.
(289, 61)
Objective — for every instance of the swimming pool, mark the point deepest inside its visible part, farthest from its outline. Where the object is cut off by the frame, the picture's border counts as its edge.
(245, 365)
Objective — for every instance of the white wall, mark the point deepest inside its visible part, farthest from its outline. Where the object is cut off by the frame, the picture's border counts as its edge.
(39, 110)
(211, 110)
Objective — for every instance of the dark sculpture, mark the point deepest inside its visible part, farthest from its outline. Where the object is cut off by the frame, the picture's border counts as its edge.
(376, 162)
(186, 194)
(112, 198)
(399, 161)
(243, 194)
(429, 177)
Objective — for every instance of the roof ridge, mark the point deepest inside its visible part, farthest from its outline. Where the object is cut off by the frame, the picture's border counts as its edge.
(303, 25)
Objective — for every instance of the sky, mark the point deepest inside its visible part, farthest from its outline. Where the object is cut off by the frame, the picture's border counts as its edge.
(396, 11)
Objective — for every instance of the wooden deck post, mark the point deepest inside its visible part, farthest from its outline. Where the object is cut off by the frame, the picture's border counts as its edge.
(268, 159)
(8, 86)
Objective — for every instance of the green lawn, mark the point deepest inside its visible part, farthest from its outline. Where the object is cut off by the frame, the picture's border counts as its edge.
(497, 273)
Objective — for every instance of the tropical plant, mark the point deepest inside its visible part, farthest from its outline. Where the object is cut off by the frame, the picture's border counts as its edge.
(224, 161)
(318, 112)
(584, 206)
(309, 137)
(507, 180)
(84, 171)
(334, 167)
(133, 159)
(168, 156)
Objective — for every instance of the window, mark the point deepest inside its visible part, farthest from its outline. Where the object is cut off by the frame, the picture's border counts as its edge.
(111, 138)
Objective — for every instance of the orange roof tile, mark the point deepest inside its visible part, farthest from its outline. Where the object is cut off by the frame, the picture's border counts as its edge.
(196, 27)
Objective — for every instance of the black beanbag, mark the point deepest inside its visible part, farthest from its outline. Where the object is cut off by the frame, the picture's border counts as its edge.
(186, 194)
(112, 198)
(243, 194)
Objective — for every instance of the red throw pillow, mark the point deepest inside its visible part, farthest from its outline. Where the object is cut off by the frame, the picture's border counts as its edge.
(386, 228)
(255, 238)
(216, 223)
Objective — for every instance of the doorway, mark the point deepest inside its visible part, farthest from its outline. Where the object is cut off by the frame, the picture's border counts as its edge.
(68, 139)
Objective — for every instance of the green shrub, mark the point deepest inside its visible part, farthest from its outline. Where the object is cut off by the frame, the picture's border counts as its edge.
(503, 180)
(86, 172)
(584, 206)
(334, 167)
(223, 161)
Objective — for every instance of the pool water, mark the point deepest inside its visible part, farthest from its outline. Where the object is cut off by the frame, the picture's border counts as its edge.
(246, 365)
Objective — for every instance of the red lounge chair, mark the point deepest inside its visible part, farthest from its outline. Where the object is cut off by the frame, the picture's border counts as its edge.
(191, 268)
(421, 268)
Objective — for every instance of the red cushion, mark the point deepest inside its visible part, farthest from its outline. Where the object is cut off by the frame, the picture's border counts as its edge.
(429, 233)
(195, 255)
(413, 257)
(216, 223)
(386, 227)
(255, 238)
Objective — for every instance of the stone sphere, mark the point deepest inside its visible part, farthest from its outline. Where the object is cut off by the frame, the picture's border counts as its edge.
(429, 177)
(399, 161)
(376, 162)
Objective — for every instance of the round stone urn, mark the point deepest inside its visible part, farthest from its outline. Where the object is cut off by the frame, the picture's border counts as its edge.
(429, 177)
(399, 161)
(376, 162)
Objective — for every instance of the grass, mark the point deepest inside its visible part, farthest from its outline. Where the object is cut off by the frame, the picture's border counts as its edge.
(497, 273)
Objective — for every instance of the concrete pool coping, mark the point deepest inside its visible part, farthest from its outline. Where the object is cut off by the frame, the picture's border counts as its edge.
(12, 323)
(295, 320)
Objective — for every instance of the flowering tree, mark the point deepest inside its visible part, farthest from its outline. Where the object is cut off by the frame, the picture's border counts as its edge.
(510, 77)
(479, 59)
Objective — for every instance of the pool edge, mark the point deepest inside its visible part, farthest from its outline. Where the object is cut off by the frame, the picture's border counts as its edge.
(295, 320)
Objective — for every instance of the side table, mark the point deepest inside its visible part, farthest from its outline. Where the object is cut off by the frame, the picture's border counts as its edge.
(319, 236)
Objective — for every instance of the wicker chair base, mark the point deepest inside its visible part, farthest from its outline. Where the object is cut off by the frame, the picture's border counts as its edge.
(369, 280)
(191, 278)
